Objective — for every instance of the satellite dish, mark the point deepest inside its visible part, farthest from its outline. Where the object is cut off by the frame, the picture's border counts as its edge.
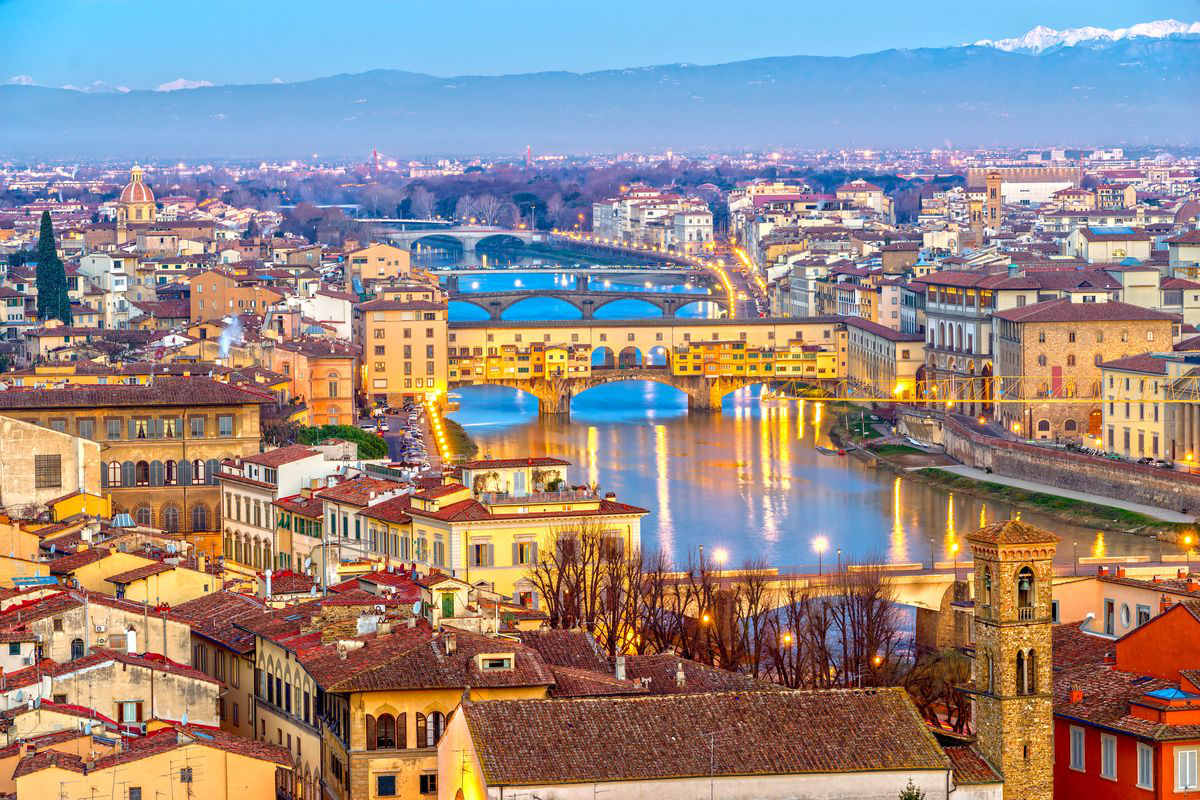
(417, 608)
(308, 562)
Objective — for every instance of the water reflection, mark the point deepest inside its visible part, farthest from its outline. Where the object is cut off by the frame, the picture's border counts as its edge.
(740, 479)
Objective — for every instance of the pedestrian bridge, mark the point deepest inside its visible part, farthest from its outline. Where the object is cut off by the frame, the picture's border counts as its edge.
(586, 301)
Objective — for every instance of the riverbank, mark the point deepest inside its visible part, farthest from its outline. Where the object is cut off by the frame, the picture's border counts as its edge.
(1068, 509)
(459, 441)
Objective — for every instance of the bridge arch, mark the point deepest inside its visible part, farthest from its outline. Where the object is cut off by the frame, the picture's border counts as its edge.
(629, 357)
(638, 307)
(604, 357)
(658, 356)
(437, 241)
(563, 309)
(694, 307)
(499, 240)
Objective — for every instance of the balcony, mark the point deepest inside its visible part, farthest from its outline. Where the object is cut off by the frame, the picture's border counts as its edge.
(1026, 613)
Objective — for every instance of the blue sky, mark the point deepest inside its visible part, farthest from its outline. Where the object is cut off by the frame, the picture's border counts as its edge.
(145, 43)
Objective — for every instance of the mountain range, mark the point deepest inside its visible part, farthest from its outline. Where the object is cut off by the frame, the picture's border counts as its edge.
(1061, 87)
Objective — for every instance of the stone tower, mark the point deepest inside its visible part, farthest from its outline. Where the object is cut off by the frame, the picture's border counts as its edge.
(135, 205)
(994, 200)
(1014, 718)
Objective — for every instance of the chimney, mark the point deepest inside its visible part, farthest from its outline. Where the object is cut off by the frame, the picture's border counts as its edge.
(1102, 571)
(268, 587)
(449, 643)
(620, 668)
(1193, 585)
(680, 679)
(1120, 572)
(1076, 695)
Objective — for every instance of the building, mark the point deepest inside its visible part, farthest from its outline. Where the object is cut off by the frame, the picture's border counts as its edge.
(322, 374)
(1011, 673)
(404, 349)
(160, 442)
(884, 362)
(724, 744)
(1109, 245)
(1125, 709)
(135, 205)
(1054, 349)
(38, 466)
(860, 193)
(1134, 415)
(377, 261)
(175, 760)
(218, 293)
(250, 486)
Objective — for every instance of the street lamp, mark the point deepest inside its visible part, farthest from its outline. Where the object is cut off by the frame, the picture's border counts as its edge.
(820, 545)
(1187, 542)
(720, 556)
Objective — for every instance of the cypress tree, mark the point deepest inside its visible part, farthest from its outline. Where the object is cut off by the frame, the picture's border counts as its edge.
(51, 277)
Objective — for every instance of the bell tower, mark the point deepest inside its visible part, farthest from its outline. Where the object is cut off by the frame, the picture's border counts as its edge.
(1014, 720)
(994, 202)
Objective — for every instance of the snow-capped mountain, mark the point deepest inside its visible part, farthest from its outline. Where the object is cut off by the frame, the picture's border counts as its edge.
(1043, 38)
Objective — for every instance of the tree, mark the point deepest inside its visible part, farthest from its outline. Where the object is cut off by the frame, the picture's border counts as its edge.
(51, 277)
(421, 203)
(251, 231)
(911, 792)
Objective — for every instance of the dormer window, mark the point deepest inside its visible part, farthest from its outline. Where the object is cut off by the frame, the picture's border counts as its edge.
(495, 663)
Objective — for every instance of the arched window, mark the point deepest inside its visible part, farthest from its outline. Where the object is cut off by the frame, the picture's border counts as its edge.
(1070, 360)
(198, 471)
(172, 472)
(1020, 672)
(128, 471)
(371, 732)
(142, 473)
(170, 518)
(199, 517)
(402, 731)
(157, 473)
(1031, 672)
(210, 471)
(385, 732)
(987, 585)
(1025, 589)
(114, 473)
(1070, 425)
(1041, 360)
(421, 730)
(185, 472)
(143, 517)
(76, 649)
(437, 722)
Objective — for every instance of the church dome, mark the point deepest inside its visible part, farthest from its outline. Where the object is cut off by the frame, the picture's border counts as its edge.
(136, 191)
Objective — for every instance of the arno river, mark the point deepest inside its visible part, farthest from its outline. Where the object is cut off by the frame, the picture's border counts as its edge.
(748, 480)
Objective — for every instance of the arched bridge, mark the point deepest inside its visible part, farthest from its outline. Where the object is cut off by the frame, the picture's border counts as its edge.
(466, 236)
(587, 301)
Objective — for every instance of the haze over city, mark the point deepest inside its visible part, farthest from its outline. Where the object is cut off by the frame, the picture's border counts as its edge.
(544, 400)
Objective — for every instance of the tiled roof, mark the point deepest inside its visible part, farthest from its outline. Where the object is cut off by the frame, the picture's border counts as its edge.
(138, 573)
(65, 565)
(282, 455)
(1073, 647)
(575, 682)
(660, 670)
(1012, 531)
(538, 742)
(192, 391)
(472, 510)
(1141, 363)
(414, 658)
(213, 616)
(1063, 310)
(304, 506)
(358, 491)
(970, 767)
(566, 648)
(394, 510)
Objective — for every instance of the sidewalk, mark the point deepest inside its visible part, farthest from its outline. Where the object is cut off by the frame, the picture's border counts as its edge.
(1150, 511)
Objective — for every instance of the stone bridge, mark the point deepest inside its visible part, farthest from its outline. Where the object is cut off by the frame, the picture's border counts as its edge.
(587, 301)
(466, 236)
(554, 394)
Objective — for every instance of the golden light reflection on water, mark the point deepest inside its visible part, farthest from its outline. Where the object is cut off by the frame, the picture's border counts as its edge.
(982, 515)
(593, 456)
(785, 447)
(800, 420)
(899, 549)
(951, 525)
(666, 527)
(1098, 548)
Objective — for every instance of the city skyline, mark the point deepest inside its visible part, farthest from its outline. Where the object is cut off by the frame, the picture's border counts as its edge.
(176, 52)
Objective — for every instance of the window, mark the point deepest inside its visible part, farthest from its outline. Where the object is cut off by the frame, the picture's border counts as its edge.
(1143, 615)
(135, 793)
(87, 428)
(113, 429)
(14, 648)
(1077, 760)
(428, 784)
(76, 649)
(1185, 770)
(481, 555)
(197, 427)
(225, 425)
(47, 471)
(1145, 766)
(185, 774)
(385, 785)
(1108, 756)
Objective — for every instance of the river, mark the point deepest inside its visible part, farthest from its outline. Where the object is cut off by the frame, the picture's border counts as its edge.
(747, 481)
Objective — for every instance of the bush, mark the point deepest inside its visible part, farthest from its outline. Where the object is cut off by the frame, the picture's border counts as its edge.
(369, 444)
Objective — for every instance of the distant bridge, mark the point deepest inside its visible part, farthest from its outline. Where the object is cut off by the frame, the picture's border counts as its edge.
(468, 237)
(586, 301)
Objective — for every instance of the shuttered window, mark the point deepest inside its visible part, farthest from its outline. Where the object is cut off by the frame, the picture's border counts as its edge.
(47, 471)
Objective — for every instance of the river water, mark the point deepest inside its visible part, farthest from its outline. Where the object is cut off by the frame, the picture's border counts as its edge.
(747, 481)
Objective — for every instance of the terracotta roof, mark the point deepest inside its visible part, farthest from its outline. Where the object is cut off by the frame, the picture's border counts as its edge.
(401, 305)
(138, 573)
(1063, 310)
(299, 504)
(1012, 531)
(68, 564)
(394, 510)
(1187, 237)
(1142, 363)
(575, 682)
(537, 742)
(472, 510)
(970, 767)
(883, 331)
(358, 491)
(213, 616)
(660, 669)
(511, 463)
(193, 391)
(566, 648)
(282, 455)
(1074, 647)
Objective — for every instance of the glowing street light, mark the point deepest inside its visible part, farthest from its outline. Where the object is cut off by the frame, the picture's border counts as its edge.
(720, 556)
(820, 545)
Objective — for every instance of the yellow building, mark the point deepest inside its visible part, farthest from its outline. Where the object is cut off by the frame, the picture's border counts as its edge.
(404, 349)
(160, 443)
(491, 533)
(175, 761)
(378, 261)
(1135, 418)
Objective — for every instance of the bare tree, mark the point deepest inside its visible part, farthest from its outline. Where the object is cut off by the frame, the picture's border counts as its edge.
(465, 208)
(488, 207)
(421, 202)
(554, 209)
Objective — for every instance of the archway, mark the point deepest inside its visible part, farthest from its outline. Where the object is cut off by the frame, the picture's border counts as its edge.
(466, 311)
(1095, 418)
(658, 356)
(700, 308)
(603, 358)
(532, 309)
(629, 358)
(627, 308)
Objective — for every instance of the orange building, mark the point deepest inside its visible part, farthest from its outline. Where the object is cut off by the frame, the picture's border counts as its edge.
(216, 293)
(322, 372)
(404, 349)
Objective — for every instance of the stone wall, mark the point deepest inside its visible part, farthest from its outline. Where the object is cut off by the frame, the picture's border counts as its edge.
(1066, 470)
